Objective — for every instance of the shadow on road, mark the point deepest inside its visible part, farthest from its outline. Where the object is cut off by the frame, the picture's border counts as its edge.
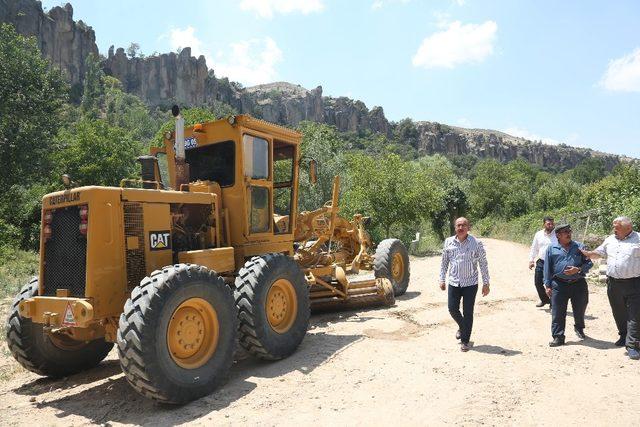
(409, 296)
(495, 349)
(105, 397)
(594, 343)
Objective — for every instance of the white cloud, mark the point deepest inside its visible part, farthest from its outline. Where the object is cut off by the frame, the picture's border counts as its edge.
(458, 44)
(181, 38)
(623, 74)
(524, 133)
(379, 4)
(267, 8)
(250, 62)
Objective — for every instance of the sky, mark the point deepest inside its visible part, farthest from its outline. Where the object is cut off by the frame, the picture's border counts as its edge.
(557, 71)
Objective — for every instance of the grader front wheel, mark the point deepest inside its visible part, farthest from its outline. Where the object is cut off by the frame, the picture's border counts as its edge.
(273, 306)
(49, 355)
(177, 334)
(391, 261)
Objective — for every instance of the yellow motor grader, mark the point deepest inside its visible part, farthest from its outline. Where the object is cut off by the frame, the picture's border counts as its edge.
(205, 251)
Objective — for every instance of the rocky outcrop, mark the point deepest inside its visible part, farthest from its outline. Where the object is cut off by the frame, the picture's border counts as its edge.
(63, 41)
(162, 80)
(439, 138)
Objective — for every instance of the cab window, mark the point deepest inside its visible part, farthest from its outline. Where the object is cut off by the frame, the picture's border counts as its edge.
(283, 156)
(256, 157)
(215, 162)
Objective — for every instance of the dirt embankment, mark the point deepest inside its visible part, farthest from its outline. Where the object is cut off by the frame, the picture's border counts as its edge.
(376, 367)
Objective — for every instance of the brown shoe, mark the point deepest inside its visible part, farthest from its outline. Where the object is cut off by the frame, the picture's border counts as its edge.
(464, 347)
(458, 334)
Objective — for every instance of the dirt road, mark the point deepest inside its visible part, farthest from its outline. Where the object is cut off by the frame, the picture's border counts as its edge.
(377, 367)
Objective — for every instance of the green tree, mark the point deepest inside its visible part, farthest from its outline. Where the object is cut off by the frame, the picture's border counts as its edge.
(589, 170)
(325, 145)
(95, 153)
(93, 87)
(133, 49)
(616, 194)
(406, 132)
(454, 201)
(31, 98)
(130, 113)
(556, 193)
(393, 192)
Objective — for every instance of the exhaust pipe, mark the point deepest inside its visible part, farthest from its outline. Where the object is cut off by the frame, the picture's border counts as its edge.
(182, 168)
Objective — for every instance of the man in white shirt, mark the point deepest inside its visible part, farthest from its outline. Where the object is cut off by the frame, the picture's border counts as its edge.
(622, 250)
(541, 241)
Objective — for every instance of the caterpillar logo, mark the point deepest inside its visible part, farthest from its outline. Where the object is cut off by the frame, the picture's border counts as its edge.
(64, 198)
(159, 240)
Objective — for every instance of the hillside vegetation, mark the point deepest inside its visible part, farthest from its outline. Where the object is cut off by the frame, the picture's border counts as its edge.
(96, 135)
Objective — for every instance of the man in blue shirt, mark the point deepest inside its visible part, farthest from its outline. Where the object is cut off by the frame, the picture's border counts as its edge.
(565, 268)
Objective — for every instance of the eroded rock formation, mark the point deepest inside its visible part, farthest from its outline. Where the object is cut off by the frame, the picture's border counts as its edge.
(161, 80)
(63, 41)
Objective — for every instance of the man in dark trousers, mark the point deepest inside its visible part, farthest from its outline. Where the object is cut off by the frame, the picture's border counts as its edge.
(565, 268)
(622, 250)
(461, 256)
(541, 241)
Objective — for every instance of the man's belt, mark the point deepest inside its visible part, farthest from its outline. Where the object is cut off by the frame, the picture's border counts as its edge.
(568, 280)
(629, 279)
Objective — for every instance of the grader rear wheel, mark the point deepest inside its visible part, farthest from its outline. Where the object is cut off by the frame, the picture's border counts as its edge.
(391, 261)
(49, 355)
(273, 306)
(177, 334)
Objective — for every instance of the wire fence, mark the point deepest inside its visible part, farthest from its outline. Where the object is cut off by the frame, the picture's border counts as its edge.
(587, 226)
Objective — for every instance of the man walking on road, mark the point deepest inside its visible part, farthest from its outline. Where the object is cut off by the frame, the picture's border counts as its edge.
(622, 250)
(461, 256)
(541, 241)
(565, 268)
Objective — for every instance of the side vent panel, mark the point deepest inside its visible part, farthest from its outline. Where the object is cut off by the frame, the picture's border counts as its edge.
(134, 227)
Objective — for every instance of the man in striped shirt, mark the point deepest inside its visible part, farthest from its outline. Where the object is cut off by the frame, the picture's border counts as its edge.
(461, 256)
(622, 250)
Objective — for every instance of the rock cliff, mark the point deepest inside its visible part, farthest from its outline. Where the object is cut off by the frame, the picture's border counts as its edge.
(439, 138)
(161, 80)
(63, 41)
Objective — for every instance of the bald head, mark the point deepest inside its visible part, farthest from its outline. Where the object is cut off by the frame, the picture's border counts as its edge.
(462, 226)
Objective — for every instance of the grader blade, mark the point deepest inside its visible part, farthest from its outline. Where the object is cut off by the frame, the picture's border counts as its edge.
(361, 292)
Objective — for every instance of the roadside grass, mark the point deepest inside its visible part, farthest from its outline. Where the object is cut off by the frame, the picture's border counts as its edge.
(17, 267)
(428, 245)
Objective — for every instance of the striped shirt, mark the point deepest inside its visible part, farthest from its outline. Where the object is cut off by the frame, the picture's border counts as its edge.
(461, 260)
(623, 256)
(541, 242)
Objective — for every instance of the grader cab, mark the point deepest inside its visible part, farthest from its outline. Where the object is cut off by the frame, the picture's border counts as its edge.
(207, 250)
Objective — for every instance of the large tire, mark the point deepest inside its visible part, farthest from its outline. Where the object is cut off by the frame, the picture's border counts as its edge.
(170, 305)
(391, 261)
(273, 306)
(45, 355)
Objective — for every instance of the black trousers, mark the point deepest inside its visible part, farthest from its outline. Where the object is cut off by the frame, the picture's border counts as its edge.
(538, 279)
(624, 298)
(578, 293)
(465, 319)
